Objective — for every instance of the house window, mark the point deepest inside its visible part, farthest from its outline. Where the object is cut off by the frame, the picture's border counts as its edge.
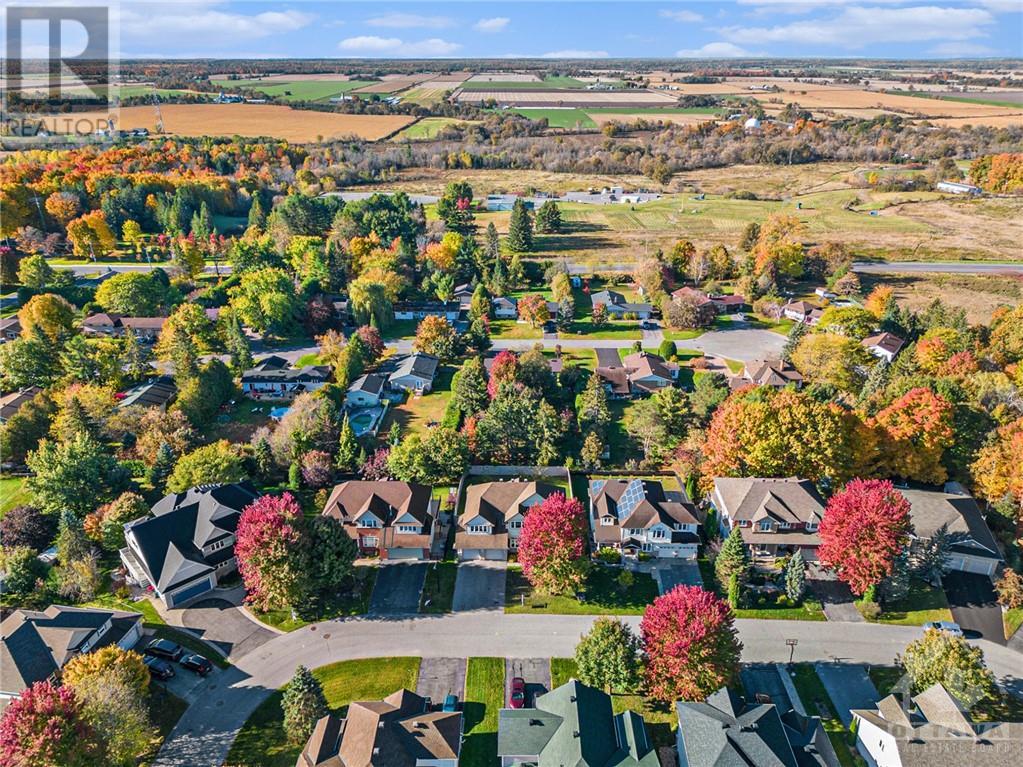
(517, 524)
(765, 525)
(783, 525)
(479, 529)
(811, 526)
(408, 529)
(656, 534)
(368, 523)
(370, 541)
(607, 521)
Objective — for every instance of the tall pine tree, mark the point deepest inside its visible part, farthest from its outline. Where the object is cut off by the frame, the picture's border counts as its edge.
(795, 577)
(162, 467)
(347, 448)
(304, 704)
(732, 558)
(520, 229)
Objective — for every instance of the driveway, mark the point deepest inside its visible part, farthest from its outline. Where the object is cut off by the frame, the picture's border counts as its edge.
(849, 687)
(398, 588)
(672, 574)
(225, 625)
(764, 679)
(536, 672)
(974, 605)
(479, 585)
(835, 596)
(440, 677)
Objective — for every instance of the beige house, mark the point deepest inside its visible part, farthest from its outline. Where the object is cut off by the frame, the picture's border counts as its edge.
(396, 520)
(775, 373)
(491, 523)
(776, 516)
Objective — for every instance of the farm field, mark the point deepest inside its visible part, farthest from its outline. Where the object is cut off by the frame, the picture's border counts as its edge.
(978, 295)
(427, 128)
(531, 84)
(559, 118)
(307, 90)
(523, 97)
(258, 120)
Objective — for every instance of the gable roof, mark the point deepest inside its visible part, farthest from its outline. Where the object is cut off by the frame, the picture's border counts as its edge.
(885, 341)
(371, 383)
(387, 500)
(574, 726)
(397, 731)
(614, 298)
(155, 393)
(959, 515)
(498, 502)
(772, 373)
(275, 369)
(36, 644)
(170, 540)
(751, 499)
(640, 503)
(11, 403)
(418, 365)
(800, 307)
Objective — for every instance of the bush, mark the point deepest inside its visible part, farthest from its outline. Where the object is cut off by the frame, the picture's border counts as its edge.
(609, 556)
(869, 610)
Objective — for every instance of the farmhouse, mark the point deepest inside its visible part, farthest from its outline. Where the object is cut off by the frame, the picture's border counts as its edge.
(776, 516)
(775, 373)
(393, 519)
(11, 403)
(416, 310)
(35, 644)
(638, 515)
(726, 729)
(365, 390)
(617, 306)
(883, 345)
(802, 311)
(573, 725)
(398, 731)
(938, 730)
(413, 372)
(274, 378)
(972, 546)
(187, 543)
(640, 373)
(491, 523)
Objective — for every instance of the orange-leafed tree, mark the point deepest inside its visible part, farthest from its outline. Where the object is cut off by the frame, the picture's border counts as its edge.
(533, 309)
(916, 430)
(998, 470)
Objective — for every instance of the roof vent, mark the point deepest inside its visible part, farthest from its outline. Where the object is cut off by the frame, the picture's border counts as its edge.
(380, 724)
(572, 698)
(575, 733)
(535, 723)
(420, 725)
(376, 752)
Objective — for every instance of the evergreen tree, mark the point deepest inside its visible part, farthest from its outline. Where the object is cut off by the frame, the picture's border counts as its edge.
(480, 304)
(202, 224)
(470, 393)
(136, 356)
(548, 218)
(73, 420)
(492, 245)
(520, 229)
(478, 337)
(732, 558)
(733, 590)
(163, 466)
(295, 475)
(877, 380)
(257, 216)
(592, 406)
(264, 458)
(592, 450)
(516, 272)
(72, 543)
(795, 336)
(795, 577)
(237, 345)
(348, 447)
(304, 704)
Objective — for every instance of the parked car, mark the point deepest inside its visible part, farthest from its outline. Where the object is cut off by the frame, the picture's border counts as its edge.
(159, 668)
(517, 699)
(550, 327)
(450, 703)
(164, 648)
(648, 325)
(196, 663)
(947, 626)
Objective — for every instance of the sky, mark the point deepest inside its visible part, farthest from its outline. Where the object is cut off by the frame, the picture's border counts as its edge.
(569, 29)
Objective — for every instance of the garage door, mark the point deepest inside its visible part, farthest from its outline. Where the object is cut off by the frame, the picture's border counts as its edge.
(494, 555)
(973, 565)
(404, 553)
(192, 591)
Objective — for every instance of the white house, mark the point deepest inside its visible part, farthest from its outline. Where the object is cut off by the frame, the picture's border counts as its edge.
(414, 372)
(505, 308)
(274, 378)
(802, 311)
(883, 345)
(417, 310)
(957, 187)
(617, 306)
(634, 515)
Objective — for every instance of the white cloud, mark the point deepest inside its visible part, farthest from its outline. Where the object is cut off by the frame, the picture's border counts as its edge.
(573, 53)
(858, 26)
(369, 45)
(718, 50)
(196, 21)
(961, 51)
(409, 21)
(496, 24)
(681, 16)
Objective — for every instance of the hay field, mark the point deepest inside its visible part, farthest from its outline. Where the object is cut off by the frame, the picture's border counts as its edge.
(503, 77)
(394, 84)
(255, 120)
(428, 128)
(576, 98)
(978, 295)
(666, 115)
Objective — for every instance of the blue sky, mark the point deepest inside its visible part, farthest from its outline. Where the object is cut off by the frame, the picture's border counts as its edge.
(573, 29)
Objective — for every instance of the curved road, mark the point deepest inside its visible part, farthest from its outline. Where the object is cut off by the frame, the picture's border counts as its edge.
(205, 732)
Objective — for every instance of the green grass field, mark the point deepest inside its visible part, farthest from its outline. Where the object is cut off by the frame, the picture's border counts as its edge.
(262, 742)
(965, 98)
(558, 118)
(427, 128)
(12, 493)
(515, 85)
(298, 90)
(654, 111)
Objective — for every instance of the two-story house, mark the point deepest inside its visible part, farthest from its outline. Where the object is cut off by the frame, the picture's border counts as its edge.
(776, 516)
(491, 523)
(639, 515)
(802, 311)
(35, 644)
(399, 731)
(274, 378)
(186, 545)
(639, 374)
(395, 520)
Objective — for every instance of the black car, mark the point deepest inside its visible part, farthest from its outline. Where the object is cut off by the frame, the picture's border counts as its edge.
(196, 664)
(550, 327)
(164, 648)
(159, 668)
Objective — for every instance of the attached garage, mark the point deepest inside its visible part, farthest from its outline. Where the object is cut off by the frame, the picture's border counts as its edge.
(176, 598)
(404, 554)
(494, 555)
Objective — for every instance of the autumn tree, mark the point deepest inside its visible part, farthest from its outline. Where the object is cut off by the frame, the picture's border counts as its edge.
(63, 206)
(504, 368)
(51, 314)
(135, 294)
(46, 727)
(939, 657)
(271, 552)
(435, 336)
(455, 207)
(90, 235)
(552, 546)
(865, 527)
(534, 310)
(915, 430)
(690, 643)
(833, 360)
(265, 300)
(27, 526)
(998, 470)
(217, 463)
(608, 656)
(779, 247)
(35, 272)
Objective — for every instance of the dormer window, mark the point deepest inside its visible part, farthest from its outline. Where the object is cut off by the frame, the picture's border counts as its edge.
(368, 522)
(783, 525)
(765, 525)
(607, 521)
(408, 529)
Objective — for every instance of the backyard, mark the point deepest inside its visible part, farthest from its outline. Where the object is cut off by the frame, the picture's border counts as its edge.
(602, 594)
(12, 493)
(416, 414)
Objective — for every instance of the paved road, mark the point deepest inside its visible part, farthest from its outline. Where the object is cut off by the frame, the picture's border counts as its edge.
(952, 267)
(80, 270)
(204, 734)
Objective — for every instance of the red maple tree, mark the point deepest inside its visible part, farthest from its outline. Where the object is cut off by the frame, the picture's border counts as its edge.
(865, 527)
(505, 367)
(45, 727)
(268, 537)
(690, 643)
(552, 545)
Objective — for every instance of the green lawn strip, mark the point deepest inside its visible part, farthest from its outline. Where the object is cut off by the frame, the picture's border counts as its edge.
(613, 331)
(484, 697)
(13, 493)
(439, 587)
(312, 358)
(603, 595)
(620, 444)
(652, 111)
(817, 701)
(400, 329)
(1013, 620)
(810, 609)
(511, 329)
(262, 742)
(682, 335)
(923, 604)
(354, 602)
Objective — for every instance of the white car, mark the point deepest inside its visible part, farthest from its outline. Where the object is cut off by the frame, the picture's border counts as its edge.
(947, 626)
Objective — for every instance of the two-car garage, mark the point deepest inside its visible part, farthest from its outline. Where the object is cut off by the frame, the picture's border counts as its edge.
(492, 555)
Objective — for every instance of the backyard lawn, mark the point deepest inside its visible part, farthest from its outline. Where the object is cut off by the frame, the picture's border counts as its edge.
(262, 742)
(484, 697)
(12, 493)
(923, 604)
(416, 413)
(602, 595)
(355, 602)
(620, 444)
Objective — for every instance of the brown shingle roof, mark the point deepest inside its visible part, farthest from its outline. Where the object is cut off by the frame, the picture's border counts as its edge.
(387, 500)
(783, 500)
(772, 373)
(885, 341)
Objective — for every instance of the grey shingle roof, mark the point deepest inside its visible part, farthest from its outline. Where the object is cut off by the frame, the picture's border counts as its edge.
(959, 515)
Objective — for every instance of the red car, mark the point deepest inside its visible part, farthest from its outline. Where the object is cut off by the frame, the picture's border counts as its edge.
(517, 699)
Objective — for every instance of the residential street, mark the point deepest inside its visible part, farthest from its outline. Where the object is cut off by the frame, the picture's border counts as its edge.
(204, 734)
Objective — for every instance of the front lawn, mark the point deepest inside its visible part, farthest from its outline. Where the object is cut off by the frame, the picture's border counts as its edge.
(923, 604)
(763, 606)
(817, 702)
(514, 330)
(683, 335)
(484, 697)
(262, 743)
(399, 329)
(1013, 620)
(602, 595)
(439, 588)
(353, 602)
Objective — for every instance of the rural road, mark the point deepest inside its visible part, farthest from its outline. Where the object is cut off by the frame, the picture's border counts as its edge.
(204, 734)
(950, 267)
